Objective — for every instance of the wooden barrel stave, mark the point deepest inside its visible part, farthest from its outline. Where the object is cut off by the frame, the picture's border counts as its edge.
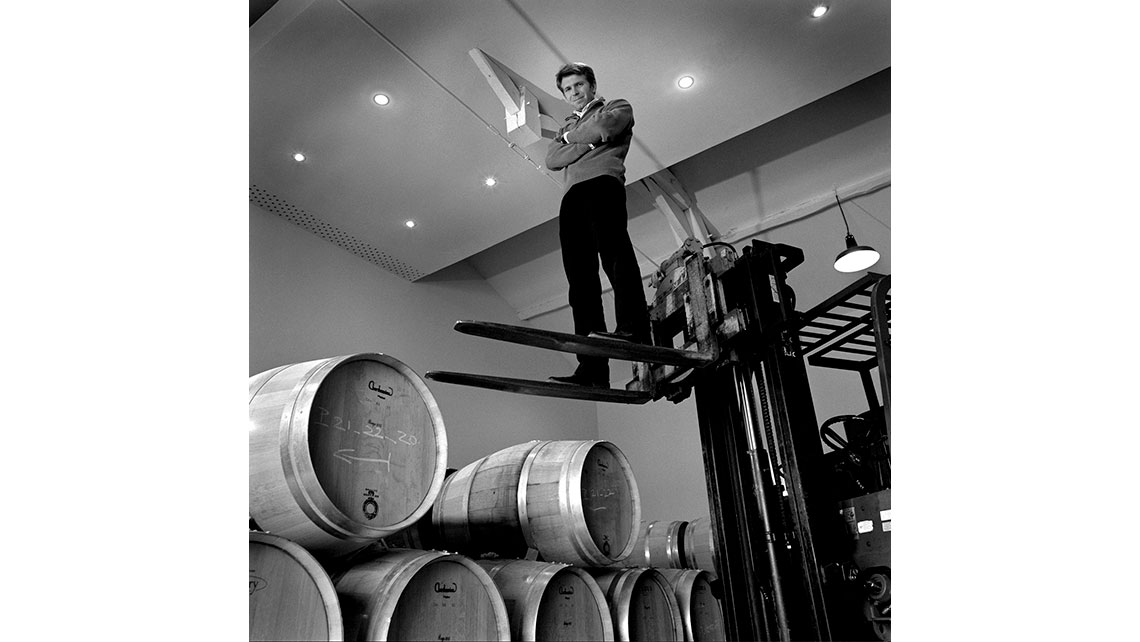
(477, 511)
(449, 514)
(493, 509)
(701, 610)
(272, 487)
(290, 596)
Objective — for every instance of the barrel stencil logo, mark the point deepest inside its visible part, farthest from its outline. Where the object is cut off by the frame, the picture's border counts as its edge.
(256, 583)
(370, 508)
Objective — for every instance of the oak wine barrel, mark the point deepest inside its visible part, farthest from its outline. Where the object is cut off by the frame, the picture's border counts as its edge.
(290, 595)
(642, 603)
(342, 451)
(572, 501)
(549, 601)
(403, 594)
(700, 545)
(701, 611)
(660, 544)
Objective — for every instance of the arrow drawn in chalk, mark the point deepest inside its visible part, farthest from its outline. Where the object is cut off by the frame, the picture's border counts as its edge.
(353, 458)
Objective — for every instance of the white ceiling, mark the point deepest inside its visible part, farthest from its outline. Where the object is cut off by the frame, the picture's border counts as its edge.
(316, 64)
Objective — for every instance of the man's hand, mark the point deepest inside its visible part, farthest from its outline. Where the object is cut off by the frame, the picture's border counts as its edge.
(564, 140)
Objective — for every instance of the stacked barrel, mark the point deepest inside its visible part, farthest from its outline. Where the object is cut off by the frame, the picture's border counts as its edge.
(360, 532)
(675, 544)
(684, 552)
(342, 453)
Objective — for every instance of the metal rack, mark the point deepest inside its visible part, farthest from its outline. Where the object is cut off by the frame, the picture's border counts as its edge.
(852, 331)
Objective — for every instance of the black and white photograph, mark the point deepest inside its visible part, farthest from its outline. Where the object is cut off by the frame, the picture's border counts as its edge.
(569, 320)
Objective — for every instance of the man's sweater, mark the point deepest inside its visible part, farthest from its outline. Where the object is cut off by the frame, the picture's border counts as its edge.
(608, 126)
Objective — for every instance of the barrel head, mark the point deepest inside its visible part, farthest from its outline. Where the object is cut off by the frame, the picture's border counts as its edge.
(372, 442)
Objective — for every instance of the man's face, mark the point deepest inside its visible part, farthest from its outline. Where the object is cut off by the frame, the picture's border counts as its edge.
(577, 91)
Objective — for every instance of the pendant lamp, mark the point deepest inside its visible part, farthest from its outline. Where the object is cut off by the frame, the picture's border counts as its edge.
(856, 257)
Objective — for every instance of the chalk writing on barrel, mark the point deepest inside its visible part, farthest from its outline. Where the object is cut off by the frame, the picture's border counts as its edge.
(340, 454)
(376, 430)
(371, 429)
(337, 420)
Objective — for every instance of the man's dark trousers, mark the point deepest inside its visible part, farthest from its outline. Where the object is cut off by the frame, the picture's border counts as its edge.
(592, 224)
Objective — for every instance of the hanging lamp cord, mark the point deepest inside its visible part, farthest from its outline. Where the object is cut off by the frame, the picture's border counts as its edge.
(842, 214)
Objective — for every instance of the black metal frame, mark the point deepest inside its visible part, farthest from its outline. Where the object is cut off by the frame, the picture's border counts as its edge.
(772, 549)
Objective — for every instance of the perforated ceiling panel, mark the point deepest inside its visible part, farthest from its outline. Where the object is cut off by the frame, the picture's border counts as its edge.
(276, 205)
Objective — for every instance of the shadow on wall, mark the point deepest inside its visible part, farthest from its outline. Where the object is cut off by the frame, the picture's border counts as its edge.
(530, 245)
(456, 273)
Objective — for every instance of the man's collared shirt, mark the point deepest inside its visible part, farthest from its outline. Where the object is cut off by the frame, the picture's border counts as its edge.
(597, 99)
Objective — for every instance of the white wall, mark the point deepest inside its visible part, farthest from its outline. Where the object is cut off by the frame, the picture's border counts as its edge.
(309, 299)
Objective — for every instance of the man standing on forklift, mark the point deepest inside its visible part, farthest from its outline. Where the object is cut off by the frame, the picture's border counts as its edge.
(592, 220)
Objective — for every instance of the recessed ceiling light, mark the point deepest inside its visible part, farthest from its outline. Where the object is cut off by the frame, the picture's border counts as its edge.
(490, 181)
(299, 157)
(685, 82)
(819, 10)
(409, 223)
(381, 99)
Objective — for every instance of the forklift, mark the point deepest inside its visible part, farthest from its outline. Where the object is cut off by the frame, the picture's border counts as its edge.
(803, 537)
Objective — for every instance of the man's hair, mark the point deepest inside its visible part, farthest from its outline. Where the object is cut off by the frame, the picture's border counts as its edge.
(572, 68)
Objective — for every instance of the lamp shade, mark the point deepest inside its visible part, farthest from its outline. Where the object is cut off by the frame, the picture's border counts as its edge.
(856, 257)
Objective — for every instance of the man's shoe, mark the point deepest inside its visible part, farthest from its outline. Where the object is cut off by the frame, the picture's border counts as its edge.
(582, 379)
